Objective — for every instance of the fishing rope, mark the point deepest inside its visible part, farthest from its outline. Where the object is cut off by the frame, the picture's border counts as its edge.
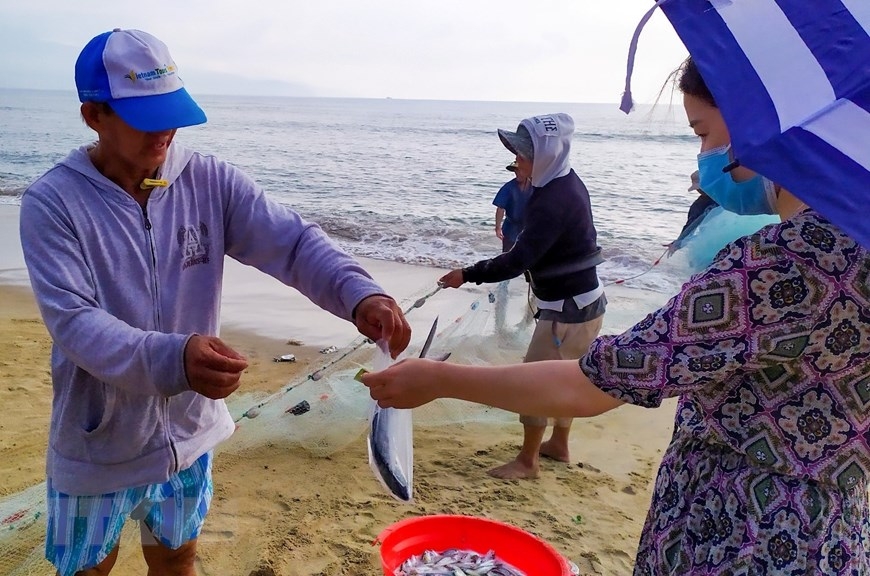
(653, 265)
(318, 374)
(418, 303)
(254, 411)
(556, 339)
(529, 303)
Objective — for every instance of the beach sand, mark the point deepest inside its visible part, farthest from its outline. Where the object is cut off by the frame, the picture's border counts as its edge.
(279, 510)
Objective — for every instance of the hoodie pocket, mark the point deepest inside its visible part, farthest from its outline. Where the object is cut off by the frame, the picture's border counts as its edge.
(99, 414)
(101, 424)
(128, 427)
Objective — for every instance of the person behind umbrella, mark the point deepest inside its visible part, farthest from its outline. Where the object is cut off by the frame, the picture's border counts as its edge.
(558, 247)
(124, 242)
(767, 350)
(697, 212)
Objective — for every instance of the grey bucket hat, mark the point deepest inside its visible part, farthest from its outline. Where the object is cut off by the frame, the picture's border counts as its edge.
(519, 142)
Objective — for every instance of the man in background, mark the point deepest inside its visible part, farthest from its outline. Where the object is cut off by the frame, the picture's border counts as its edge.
(510, 201)
(558, 247)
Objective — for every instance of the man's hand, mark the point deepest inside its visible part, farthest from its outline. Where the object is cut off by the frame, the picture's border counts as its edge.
(379, 317)
(213, 369)
(498, 232)
(452, 279)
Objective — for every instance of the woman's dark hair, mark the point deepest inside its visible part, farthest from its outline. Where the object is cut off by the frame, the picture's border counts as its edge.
(690, 82)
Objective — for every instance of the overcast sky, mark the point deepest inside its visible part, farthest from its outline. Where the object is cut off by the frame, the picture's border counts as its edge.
(529, 50)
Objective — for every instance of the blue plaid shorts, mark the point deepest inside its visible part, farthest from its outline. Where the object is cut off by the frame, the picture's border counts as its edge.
(83, 530)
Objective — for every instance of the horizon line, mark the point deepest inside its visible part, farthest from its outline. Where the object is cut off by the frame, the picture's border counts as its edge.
(302, 97)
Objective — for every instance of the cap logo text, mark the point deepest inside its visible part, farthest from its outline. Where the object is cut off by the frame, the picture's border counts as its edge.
(154, 74)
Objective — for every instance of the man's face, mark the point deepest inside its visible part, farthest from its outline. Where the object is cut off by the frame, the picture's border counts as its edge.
(524, 169)
(133, 149)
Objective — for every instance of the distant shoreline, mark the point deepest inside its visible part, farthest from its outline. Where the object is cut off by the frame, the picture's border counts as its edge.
(208, 94)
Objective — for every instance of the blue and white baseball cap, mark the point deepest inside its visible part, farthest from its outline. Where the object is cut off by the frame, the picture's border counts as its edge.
(133, 73)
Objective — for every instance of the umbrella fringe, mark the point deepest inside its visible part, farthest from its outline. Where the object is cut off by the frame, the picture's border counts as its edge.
(627, 103)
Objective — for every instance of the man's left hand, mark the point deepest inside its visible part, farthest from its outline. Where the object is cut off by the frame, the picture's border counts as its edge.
(379, 317)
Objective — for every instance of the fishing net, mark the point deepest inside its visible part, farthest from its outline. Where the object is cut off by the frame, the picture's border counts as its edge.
(327, 409)
(22, 533)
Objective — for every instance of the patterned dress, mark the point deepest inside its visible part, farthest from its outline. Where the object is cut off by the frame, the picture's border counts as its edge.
(768, 351)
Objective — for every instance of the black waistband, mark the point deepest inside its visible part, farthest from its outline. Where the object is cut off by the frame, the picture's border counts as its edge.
(588, 261)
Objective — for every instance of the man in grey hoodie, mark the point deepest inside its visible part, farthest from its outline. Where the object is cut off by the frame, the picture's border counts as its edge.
(558, 247)
(124, 242)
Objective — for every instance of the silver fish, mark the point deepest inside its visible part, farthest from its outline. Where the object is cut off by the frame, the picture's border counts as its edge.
(380, 442)
(455, 562)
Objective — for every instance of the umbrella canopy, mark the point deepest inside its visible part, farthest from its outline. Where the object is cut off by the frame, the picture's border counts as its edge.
(792, 79)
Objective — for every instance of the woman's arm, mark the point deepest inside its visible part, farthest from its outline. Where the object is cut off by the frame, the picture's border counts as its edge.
(555, 388)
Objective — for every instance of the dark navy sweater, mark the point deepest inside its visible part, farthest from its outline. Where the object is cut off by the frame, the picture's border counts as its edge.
(558, 236)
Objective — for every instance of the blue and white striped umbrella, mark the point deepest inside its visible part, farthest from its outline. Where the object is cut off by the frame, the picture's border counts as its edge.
(792, 79)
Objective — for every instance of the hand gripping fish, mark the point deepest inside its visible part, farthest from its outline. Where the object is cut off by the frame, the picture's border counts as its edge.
(390, 441)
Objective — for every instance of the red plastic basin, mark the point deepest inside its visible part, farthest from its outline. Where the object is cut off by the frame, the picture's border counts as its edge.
(517, 547)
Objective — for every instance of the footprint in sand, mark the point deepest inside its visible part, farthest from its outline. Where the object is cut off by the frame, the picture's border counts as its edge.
(208, 536)
(588, 467)
(263, 570)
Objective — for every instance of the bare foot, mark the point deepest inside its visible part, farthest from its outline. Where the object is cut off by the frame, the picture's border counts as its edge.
(514, 470)
(549, 450)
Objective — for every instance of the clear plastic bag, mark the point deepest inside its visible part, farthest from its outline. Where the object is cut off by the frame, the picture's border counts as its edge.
(391, 442)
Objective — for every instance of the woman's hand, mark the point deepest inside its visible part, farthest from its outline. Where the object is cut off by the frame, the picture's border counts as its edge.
(406, 384)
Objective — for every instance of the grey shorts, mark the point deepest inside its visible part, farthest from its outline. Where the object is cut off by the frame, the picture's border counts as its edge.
(554, 340)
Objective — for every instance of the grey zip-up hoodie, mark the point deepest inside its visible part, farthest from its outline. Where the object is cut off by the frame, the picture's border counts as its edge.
(122, 289)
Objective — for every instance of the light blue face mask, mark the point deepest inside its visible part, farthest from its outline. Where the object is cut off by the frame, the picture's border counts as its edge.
(753, 196)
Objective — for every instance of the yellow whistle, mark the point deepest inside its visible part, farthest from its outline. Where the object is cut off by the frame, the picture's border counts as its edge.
(152, 183)
(359, 374)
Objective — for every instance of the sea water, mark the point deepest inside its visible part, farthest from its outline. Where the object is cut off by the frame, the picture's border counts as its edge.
(410, 180)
